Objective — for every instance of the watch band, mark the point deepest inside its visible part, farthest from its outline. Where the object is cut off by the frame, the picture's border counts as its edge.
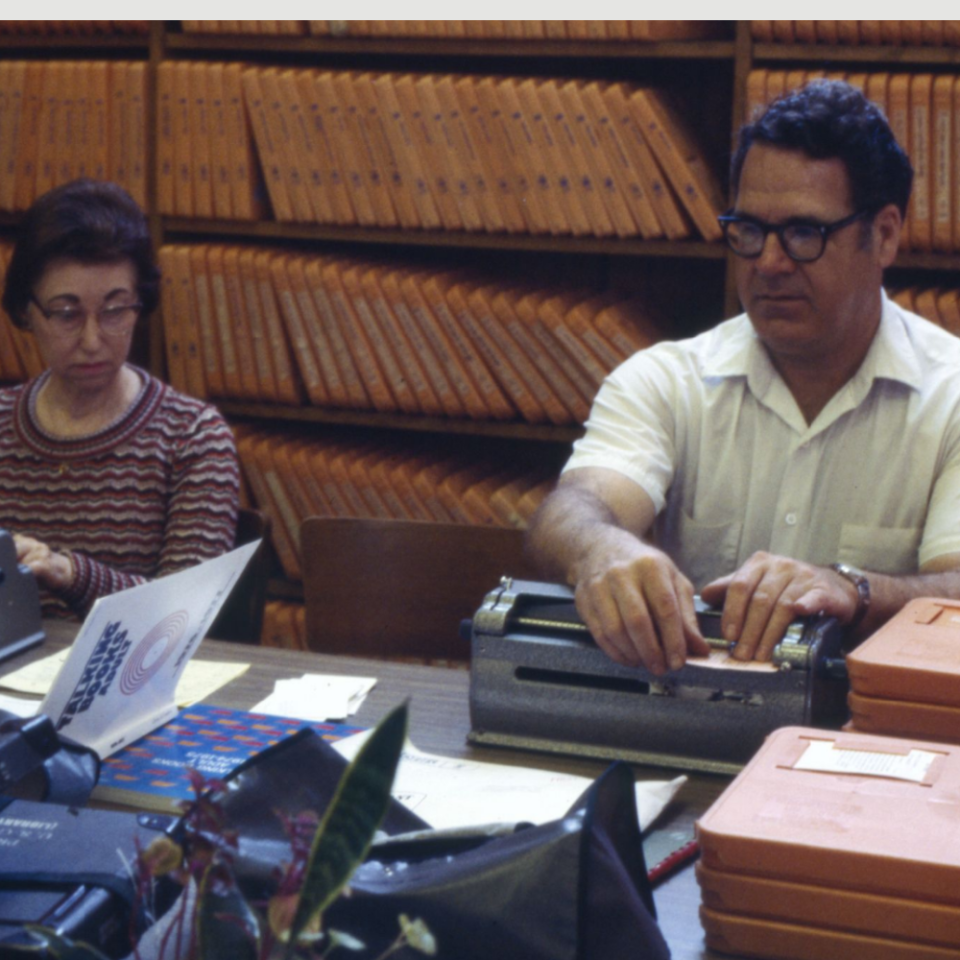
(859, 579)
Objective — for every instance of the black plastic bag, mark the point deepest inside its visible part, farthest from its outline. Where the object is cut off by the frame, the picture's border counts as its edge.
(572, 889)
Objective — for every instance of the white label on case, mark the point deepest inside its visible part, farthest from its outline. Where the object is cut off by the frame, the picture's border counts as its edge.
(825, 756)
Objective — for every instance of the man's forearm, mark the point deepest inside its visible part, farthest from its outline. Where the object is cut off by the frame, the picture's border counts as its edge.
(888, 595)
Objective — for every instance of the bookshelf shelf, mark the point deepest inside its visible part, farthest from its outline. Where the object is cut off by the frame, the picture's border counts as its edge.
(184, 228)
(885, 56)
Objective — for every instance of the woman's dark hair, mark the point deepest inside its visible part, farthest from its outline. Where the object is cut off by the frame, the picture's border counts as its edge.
(90, 221)
(827, 119)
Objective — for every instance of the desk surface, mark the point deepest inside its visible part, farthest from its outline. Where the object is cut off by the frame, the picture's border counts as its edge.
(439, 722)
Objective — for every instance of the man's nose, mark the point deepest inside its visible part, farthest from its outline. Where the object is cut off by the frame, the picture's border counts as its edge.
(773, 258)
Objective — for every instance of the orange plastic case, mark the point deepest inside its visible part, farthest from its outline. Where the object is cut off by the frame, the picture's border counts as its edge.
(846, 830)
(915, 656)
(904, 718)
(781, 941)
(828, 908)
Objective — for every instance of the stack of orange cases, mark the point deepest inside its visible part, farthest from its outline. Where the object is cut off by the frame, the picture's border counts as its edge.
(905, 679)
(835, 845)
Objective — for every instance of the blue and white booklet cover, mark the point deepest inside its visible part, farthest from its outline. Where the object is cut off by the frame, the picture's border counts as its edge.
(119, 680)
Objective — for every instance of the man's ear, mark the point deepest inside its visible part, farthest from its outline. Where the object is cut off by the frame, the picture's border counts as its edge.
(887, 226)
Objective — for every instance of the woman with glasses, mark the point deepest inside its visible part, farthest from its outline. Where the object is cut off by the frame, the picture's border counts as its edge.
(108, 476)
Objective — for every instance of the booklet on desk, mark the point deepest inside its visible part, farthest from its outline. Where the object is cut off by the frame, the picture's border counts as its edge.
(151, 774)
(120, 678)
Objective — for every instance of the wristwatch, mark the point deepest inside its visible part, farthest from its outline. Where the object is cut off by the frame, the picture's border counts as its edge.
(859, 579)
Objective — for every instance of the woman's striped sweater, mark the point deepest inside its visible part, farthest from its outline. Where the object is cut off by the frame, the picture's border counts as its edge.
(154, 492)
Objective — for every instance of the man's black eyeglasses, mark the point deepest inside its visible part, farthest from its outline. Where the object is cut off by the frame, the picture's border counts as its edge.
(802, 240)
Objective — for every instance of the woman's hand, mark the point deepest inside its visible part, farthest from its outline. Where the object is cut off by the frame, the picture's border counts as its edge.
(53, 570)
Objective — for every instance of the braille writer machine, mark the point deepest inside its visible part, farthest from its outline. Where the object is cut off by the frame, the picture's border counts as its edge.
(538, 681)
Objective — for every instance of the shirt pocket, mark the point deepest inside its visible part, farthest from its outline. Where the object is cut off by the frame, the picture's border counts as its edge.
(704, 551)
(892, 550)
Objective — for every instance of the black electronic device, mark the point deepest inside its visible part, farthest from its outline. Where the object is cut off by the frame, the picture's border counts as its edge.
(20, 626)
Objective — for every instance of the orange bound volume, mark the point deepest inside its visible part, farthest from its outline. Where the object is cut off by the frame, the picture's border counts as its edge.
(551, 172)
(301, 343)
(27, 147)
(529, 361)
(475, 499)
(925, 304)
(305, 150)
(497, 172)
(333, 185)
(452, 368)
(403, 144)
(381, 347)
(268, 147)
(471, 375)
(173, 333)
(320, 460)
(220, 161)
(49, 128)
(428, 480)
(504, 500)
(631, 188)
(672, 218)
(182, 116)
(340, 463)
(399, 203)
(201, 141)
(240, 329)
(65, 167)
(305, 281)
(518, 312)
(262, 354)
(189, 323)
(555, 313)
(400, 473)
(942, 138)
(350, 385)
(468, 152)
(629, 326)
(166, 155)
(356, 339)
(581, 319)
(332, 93)
(495, 345)
(898, 114)
(301, 462)
(408, 366)
(13, 119)
(921, 156)
(548, 313)
(83, 111)
(366, 151)
(206, 321)
(361, 471)
(224, 323)
(451, 162)
(246, 187)
(378, 470)
(430, 169)
(504, 151)
(287, 383)
(681, 159)
(948, 307)
(776, 85)
(285, 528)
(280, 122)
(435, 376)
(603, 156)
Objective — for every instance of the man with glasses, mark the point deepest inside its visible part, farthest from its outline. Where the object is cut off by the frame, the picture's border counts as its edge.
(802, 457)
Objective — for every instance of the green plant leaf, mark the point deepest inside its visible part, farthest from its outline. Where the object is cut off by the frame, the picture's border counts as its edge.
(49, 943)
(350, 822)
(227, 926)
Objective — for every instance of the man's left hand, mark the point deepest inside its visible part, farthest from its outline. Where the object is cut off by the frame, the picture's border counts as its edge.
(763, 597)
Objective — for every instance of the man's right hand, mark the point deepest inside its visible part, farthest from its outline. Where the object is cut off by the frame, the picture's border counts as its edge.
(636, 603)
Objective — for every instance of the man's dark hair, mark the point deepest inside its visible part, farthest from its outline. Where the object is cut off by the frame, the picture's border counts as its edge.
(827, 119)
(90, 221)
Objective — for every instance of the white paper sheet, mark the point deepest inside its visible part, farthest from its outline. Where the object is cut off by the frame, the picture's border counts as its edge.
(450, 793)
(317, 697)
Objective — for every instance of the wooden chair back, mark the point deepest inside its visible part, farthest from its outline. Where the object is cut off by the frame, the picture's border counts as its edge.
(400, 588)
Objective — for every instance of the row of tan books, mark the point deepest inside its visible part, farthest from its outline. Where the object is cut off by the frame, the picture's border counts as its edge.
(475, 29)
(284, 625)
(936, 33)
(65, 119)
(257, 323)
(924, 113)
(939, 305)
(291, 477)
(478, 153)
(206, 161)
(74, 28)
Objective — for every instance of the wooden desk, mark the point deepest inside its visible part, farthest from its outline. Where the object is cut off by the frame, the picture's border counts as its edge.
(439, 722)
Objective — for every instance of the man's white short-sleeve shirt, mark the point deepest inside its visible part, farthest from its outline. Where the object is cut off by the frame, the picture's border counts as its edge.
(710, 431)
